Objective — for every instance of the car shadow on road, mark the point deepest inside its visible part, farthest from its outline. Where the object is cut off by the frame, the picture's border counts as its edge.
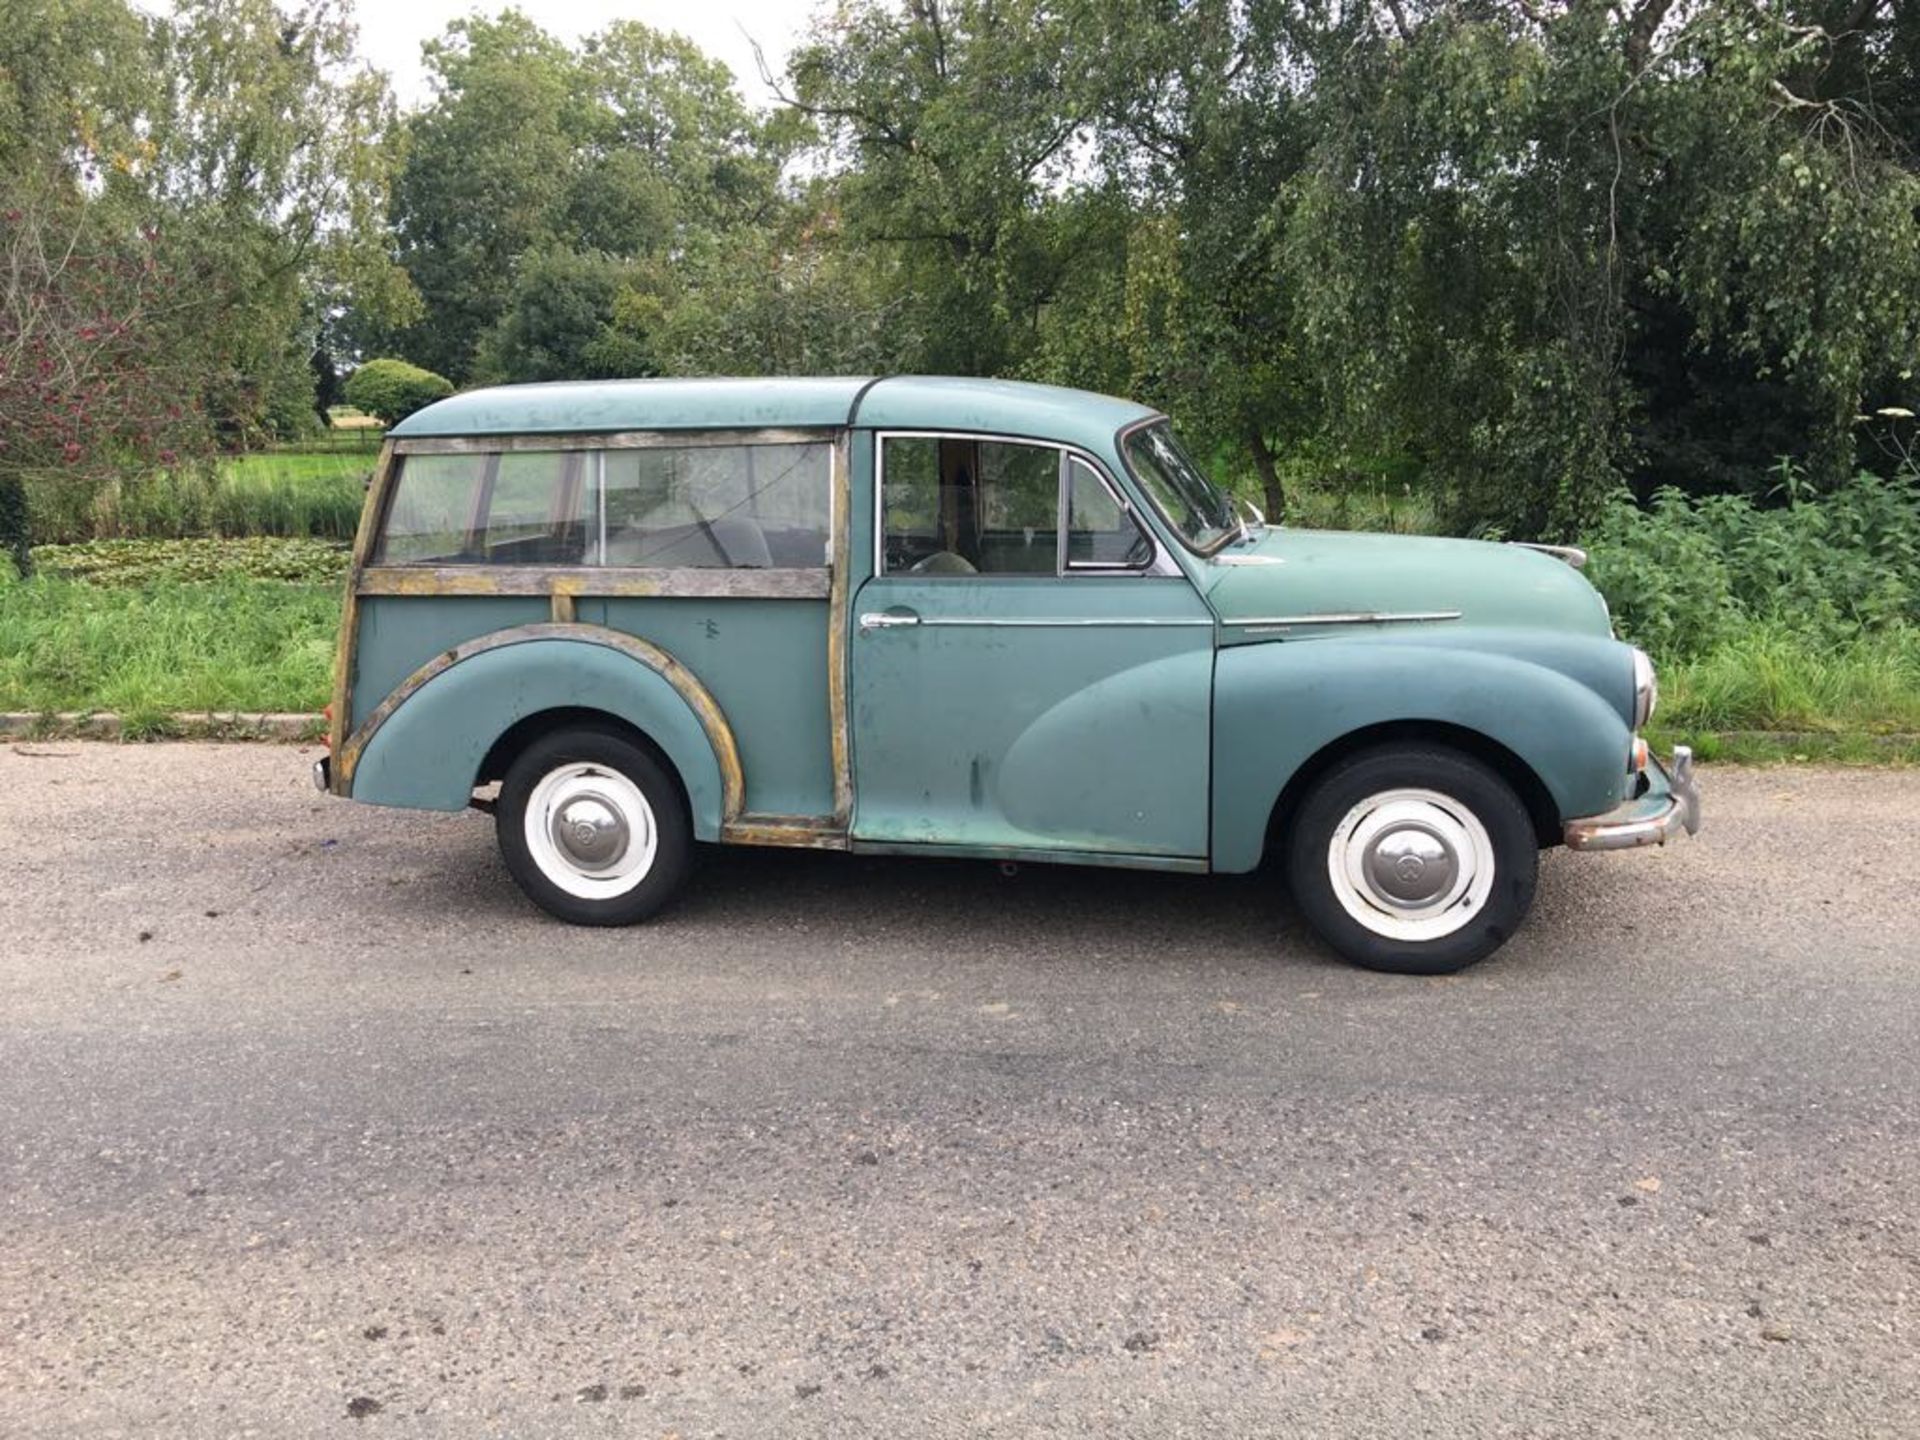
(749, 899)
(955, 906)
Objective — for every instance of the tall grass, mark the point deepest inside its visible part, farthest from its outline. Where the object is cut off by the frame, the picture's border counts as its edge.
(231, 644)
(305, 492)
(1774, 678)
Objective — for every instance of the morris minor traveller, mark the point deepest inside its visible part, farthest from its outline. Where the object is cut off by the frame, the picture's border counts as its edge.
(952, 617)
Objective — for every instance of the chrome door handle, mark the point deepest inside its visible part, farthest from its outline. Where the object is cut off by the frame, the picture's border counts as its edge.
(886, 620)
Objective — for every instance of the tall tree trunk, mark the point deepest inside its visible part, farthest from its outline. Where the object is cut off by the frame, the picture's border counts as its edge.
(1275, 497)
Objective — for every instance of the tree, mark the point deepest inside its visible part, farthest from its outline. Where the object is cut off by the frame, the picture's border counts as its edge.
(1200, 127)
(627, 148)
(488, 163)
(1550, 250)
(390, 390)
(269, 155)
(96, 366)
(950, 125)
(558, 319)
(790, 300)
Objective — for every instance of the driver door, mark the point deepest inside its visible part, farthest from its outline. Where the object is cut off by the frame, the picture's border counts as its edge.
(1020, 684)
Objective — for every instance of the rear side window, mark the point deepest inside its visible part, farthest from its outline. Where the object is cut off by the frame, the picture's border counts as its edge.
(431, 514)
(537, 504)
(735, 507)
(665, 507)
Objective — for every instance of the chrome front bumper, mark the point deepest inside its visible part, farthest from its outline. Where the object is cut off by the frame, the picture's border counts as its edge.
(1671, 804)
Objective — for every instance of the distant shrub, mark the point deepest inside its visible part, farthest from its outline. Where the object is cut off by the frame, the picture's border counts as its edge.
(393, 389)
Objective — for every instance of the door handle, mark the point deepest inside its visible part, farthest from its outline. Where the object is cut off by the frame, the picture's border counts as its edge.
(887, 619)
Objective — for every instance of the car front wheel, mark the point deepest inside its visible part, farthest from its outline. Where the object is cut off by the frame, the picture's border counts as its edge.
(593, 828)
(1413, 859)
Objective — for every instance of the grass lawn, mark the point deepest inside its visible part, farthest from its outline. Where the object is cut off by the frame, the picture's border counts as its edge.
(149, 650)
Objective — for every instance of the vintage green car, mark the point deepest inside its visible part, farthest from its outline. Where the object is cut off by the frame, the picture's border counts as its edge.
(950, 617)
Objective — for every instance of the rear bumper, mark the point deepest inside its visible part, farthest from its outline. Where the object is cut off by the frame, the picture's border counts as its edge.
(1671, 805)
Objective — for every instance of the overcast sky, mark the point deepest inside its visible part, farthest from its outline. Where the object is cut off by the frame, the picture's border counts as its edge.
(391, 30)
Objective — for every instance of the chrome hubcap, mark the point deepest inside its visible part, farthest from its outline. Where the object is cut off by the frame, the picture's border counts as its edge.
(590, 832)
(1411, 864)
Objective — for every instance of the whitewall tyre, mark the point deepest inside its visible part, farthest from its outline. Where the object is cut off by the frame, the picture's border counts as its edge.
(593, 828)
(1412, 858)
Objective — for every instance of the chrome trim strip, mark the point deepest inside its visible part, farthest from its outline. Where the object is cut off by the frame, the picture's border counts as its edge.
(1572, 554)
(882, 620)
(1059, 623)
(1264, 623)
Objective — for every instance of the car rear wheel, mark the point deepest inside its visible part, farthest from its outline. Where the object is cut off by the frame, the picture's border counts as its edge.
(593, 828)
(1413, 859)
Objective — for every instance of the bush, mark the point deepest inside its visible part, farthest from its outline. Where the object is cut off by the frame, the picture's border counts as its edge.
(393, 389)
(1684, 576)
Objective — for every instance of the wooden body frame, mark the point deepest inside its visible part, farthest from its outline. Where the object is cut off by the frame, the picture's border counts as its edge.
(565, 585)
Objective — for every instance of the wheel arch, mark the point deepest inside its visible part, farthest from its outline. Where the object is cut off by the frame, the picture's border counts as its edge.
(1516, 772)
(1284, 712)
(456, 721)
(525, 731)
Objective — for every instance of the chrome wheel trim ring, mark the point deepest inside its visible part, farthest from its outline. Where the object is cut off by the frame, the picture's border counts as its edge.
(590, 831)
(1411, 864)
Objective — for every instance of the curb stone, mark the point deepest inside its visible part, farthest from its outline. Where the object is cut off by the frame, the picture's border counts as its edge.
(191, 725)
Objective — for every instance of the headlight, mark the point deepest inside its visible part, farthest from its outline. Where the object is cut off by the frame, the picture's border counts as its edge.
(1646, 689)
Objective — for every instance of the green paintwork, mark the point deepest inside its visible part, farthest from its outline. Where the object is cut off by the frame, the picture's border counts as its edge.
(1278, 705)
(584, 407)
(1000, 407)
(765, 662)
(400, 633)
(1038, 736)
(428, 753)
(1330, 571)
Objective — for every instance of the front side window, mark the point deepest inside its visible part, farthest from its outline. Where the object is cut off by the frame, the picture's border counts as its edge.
(1191, 503)
(955, 505)
(667, 507)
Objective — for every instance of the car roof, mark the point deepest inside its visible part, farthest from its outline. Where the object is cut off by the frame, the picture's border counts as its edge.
(900, 402)
(998, 407)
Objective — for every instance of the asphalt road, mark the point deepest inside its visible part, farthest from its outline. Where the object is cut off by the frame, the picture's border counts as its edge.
(313, 1127)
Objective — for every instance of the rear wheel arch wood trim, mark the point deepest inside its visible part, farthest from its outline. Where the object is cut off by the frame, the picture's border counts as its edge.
(706, 710)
